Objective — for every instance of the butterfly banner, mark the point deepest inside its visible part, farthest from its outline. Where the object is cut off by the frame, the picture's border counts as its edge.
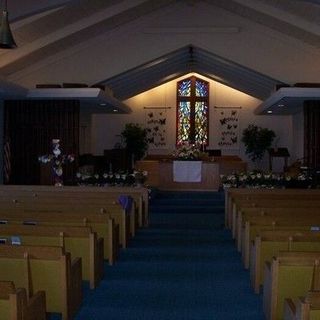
(227, 127)
(156, 126)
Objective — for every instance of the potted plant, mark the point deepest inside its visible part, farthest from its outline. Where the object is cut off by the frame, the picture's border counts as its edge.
(257, 140)
(135, 138)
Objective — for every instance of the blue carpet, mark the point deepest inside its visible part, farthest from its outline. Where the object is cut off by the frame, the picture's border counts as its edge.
(184, 266)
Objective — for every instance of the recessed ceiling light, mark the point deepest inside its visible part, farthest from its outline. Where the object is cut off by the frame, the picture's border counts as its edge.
(115, 110)
(103, 104)
(280, 105)
(269, 111)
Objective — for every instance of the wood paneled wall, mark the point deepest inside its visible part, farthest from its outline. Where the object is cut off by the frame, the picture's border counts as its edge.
(30, 127)
(312, 133)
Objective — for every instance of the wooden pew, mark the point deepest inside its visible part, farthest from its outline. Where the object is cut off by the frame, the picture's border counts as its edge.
(15, 305)
(47, 269)
(140, 195)
(126, 222)
(101, 224)
(254, 225)
(305, 308)
(232, 194)
(268, 243)
(79, 241)
(247, 213)
(289, 275)
(75, 203)
(116, 213)
(267, 205)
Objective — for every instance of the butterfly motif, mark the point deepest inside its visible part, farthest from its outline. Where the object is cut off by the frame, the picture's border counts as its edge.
(162, 121)
(150, 115)
(156, 128)
(233, 113)
(223, 121)
(234, 139)
(229, 126)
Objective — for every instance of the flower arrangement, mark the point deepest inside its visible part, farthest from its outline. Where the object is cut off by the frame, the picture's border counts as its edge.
(112, 179)
(187, 151)
(259, 179)
(57, 159)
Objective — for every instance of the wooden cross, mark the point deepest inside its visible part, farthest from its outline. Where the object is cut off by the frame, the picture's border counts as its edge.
(57, 160)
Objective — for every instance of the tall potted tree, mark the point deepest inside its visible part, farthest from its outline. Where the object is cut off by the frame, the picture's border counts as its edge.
(135, 138)
(257, 140)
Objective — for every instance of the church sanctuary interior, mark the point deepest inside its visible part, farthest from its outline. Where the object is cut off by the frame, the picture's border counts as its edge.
(160, 159)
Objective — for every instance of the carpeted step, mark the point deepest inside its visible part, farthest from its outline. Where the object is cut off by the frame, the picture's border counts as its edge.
(186, 209)
(188, 202)
(188, 195)
(187, 220)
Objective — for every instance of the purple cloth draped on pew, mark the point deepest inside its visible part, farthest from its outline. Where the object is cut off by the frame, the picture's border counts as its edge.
(126, 202)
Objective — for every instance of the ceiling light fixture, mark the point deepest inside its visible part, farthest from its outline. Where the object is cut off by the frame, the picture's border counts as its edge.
(6, 37)
(269, 111)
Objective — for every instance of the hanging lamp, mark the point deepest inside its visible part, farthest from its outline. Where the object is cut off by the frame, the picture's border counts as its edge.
(6, 37)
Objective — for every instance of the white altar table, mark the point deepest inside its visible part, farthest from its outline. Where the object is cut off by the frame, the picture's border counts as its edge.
(187, 171)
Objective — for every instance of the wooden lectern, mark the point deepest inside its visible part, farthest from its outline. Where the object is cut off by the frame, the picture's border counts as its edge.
(278, 153)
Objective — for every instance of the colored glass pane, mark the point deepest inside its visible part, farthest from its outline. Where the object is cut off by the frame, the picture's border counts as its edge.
(184, 88)
(201, 88)
(201, 122)
(183, 121)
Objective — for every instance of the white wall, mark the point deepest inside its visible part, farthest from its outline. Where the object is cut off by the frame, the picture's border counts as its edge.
(105, 129)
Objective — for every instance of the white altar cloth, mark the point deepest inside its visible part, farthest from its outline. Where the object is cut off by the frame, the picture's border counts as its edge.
(187, 171)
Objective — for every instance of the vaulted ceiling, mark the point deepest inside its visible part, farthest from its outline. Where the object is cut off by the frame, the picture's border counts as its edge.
(53, 34)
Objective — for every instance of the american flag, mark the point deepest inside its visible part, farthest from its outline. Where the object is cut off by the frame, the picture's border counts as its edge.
(6, 161)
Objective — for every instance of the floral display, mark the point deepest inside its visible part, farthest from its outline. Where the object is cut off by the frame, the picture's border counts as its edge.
(112, 179)
(187, 151)
(259, 179)
(57, 159)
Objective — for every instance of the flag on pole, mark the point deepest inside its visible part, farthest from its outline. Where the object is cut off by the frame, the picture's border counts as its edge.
(6, 162)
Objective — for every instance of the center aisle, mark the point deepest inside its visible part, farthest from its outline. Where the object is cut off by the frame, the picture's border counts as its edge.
(184, 266)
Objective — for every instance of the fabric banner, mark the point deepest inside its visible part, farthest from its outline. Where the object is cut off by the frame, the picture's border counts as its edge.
(227, 127)
(156, 126)
(187, 171)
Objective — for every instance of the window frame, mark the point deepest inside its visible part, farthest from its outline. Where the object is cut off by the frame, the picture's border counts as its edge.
(192, 99)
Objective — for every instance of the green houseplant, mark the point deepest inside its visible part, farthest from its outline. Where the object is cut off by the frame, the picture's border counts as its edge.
(135, 138)
(257, 140)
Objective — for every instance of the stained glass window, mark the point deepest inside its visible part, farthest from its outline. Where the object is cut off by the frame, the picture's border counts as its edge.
(193, 111)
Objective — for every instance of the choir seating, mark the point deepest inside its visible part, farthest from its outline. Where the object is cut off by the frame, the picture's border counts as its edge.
(44, 268)
(15, 305)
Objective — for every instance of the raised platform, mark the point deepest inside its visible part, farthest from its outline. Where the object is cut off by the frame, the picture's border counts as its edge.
(160, 173)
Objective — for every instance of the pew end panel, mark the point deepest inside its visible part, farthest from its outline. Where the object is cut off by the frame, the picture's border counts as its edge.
(289, 310)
